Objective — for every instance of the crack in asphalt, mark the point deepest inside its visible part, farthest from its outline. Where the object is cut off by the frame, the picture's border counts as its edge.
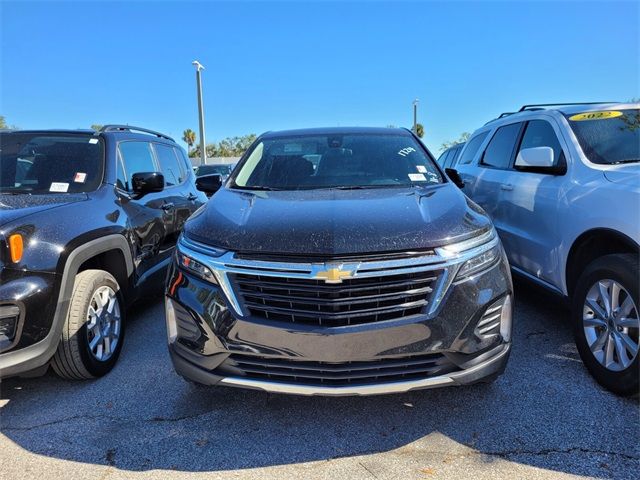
(105, 417)
(496, 453)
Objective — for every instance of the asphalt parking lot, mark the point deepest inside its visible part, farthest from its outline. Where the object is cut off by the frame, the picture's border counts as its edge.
(545, 418)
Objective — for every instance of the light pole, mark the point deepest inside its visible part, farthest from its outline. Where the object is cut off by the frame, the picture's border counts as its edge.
(203, 151)
(415, 116)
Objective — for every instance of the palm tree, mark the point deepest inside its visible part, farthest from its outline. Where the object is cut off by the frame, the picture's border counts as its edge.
(189, 137)
(419, 130)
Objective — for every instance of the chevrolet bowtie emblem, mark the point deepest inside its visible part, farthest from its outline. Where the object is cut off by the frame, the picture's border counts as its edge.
(333, 275)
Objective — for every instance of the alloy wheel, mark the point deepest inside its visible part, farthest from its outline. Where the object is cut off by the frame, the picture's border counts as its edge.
(611, 324)
(103, 323)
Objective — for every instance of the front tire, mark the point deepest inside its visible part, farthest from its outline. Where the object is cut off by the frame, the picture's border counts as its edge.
(607, 323)
(93, 332)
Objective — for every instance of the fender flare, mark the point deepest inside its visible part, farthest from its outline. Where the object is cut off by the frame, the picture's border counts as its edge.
(38, 354)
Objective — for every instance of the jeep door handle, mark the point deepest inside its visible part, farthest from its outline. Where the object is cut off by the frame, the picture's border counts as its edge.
(167, 206)
(508, 187)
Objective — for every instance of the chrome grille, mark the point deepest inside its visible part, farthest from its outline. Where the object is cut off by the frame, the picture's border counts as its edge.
(352, 302)
(336, 374)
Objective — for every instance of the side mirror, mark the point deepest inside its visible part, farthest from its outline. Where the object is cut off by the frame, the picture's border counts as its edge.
(147, 182)
(454, 176)
(536, 157)
(209, 184)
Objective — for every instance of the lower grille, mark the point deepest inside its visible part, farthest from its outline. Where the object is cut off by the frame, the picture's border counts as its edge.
(489, 324)
(336, 374)
(352, 302)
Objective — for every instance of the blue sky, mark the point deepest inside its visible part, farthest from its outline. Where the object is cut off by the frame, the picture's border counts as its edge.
(271, 66)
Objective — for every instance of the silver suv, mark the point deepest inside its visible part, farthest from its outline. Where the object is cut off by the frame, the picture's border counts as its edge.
(562, 185)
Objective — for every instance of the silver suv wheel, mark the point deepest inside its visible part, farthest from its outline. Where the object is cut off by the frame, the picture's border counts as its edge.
(611, 323)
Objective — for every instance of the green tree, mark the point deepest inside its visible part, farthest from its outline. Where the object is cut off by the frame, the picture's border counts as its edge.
(96, 127)
(464, 136)
(4, 124)
(189, 137)
(419, 130)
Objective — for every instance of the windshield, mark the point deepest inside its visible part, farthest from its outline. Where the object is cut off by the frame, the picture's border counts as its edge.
(608, 137)
(50, 163)
(336, 161)
(213, 170)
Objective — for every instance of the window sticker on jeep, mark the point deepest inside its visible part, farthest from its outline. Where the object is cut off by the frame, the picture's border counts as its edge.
(421, 168)
(93, 141)
(59, 187)
(80, 177)
(581, 117)
(406, 151)
(417, 177)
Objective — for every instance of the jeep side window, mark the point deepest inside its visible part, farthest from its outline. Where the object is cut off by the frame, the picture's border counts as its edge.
(540, 133)
(500, 149)
(121, 176)
(186, 163)
(169, 165)
(470, 150)
(137, 158)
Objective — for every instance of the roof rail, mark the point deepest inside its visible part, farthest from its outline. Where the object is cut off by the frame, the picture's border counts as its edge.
(131, 128)
(536, 106)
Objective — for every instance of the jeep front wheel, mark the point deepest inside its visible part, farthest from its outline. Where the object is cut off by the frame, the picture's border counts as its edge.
(93, 332)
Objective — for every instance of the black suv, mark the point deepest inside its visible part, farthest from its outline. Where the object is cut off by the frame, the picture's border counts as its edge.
(339, 261)
(88, 223)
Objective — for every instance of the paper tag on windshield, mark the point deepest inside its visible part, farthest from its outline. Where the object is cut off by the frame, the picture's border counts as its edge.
(59, 187)
(80, 177)
(421, 168)
(93, 140)
(417, 177)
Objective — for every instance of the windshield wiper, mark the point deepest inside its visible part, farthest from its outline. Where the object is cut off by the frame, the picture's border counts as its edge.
(627, 160)
(16, 192)
(261, 188)
(366, 187)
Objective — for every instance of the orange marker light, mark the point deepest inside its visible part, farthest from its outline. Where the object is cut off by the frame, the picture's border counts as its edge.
(16, 247)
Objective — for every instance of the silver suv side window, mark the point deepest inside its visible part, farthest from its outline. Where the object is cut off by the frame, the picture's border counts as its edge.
(540, 133)
(472, 148)
(500, 149)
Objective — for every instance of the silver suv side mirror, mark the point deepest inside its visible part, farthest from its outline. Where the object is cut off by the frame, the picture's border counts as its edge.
(535, 157)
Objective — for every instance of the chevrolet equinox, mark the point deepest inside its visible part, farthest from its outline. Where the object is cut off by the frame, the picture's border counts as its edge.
(338, 261)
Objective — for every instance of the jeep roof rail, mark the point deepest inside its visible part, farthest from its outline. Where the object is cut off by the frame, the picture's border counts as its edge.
(131, 128)
(538, 106)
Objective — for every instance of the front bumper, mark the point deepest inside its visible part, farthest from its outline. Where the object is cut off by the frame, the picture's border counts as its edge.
(462, 338)
(493, 366)
(33, 295)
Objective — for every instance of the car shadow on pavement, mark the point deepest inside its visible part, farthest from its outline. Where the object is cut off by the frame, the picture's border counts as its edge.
(545, 411)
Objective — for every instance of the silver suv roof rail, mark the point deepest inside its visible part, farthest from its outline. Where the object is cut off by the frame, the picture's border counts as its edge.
(540, 106)
(131, 128)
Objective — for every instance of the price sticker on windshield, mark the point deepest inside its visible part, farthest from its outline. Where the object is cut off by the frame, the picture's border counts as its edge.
(417, 177)
(581, 117)
(59, 187)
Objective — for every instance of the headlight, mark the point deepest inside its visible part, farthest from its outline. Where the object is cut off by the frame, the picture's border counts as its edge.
(480, 262)
(195, 267)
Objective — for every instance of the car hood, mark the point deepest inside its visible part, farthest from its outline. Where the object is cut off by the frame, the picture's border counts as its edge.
(336, 222)
(14, 207)
(627, 174)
